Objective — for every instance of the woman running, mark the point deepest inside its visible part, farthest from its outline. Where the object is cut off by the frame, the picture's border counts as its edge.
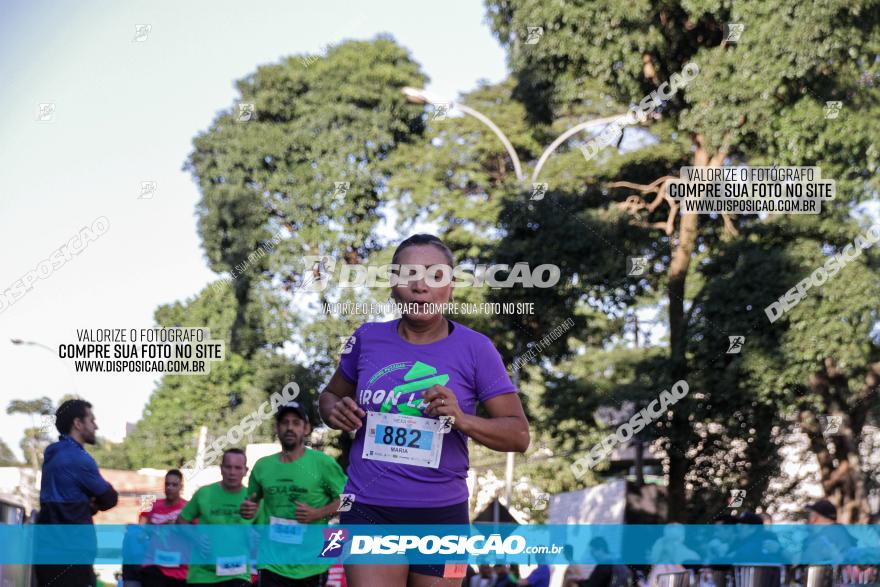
(395, 382)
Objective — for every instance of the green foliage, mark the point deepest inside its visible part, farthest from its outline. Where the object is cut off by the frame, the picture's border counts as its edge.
(790, 56)
(268, 185)
(763, 387)
(36, 438)
(33, 444)
(38, 407)
(112, 455)
(7, 457)
(329, 122)
(235, 387)
(760, 100)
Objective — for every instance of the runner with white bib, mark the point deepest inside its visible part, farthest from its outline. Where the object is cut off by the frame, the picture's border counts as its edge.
(409, 388)
(290, 489)
(219, 503)
(167, 570)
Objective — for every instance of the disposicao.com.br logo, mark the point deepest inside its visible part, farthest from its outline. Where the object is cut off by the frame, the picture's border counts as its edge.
(334, 541)
(476, 545)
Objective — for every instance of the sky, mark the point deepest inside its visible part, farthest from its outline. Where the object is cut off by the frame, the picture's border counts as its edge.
(126, 108)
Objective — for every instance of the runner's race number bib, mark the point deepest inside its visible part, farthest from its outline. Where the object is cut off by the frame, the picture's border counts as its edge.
(231, 565)
(286, 531)
(408, 440)
(165, 558)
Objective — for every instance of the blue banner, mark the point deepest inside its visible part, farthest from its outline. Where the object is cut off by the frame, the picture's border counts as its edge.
(420, 544)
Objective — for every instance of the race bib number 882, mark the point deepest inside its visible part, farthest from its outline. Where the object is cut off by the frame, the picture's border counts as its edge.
(408, 437)
(399, 438)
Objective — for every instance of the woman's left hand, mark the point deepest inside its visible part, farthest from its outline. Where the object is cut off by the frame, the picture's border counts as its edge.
(442, 402)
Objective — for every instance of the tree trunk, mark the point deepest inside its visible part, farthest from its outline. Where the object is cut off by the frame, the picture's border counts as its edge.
(678, 461)
(35, 460)
(680, 434)
(840, 472)
(237, 335)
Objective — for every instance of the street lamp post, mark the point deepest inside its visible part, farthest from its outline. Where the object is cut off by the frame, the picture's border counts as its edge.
(420, 96)
(19, 341)
(565, 136)
(417, 96)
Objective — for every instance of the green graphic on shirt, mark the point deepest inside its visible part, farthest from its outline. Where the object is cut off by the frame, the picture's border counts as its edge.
(419, 369)
(420, 377)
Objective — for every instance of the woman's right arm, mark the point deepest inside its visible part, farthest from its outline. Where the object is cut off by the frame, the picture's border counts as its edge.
(337, 404)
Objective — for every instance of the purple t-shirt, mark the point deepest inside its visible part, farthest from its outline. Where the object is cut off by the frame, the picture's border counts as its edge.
(377, 360)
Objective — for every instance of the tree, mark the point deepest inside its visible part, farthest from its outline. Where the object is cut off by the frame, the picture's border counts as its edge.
(759, 101)
(269, 201)
(36, 438)
(275, 175)
(7, 457)
(306, 174)
(460, 178)
(111, 455)
(233, 388)
(819, 361)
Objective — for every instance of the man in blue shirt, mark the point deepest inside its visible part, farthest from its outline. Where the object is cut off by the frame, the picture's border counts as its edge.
(72, 490)
(540, 576)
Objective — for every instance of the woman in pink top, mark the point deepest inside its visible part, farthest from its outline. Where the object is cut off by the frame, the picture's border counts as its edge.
(167, 570)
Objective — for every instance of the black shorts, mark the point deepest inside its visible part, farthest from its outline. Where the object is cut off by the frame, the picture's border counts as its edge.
(270, 579)
(65, 575)
(361, 513)
(153, 577)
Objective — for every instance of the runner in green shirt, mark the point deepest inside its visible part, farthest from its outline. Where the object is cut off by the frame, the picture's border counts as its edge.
(297, 486)
(219, 503)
